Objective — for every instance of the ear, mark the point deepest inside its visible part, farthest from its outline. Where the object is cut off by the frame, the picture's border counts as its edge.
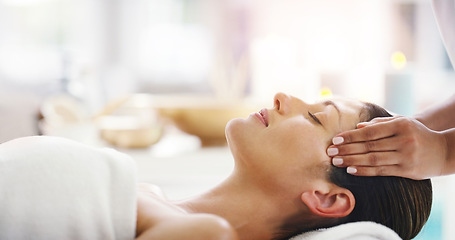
(335, 202)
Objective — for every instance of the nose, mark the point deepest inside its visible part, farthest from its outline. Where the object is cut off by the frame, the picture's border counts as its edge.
(281, 102)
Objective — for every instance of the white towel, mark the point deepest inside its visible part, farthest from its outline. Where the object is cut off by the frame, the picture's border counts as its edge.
(351, 231)
(53, 188)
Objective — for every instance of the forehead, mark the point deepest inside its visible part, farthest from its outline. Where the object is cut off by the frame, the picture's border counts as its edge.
(347, 105)
(349, 109)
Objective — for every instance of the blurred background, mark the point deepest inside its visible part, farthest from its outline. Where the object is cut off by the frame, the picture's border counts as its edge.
(99, 51)
(110, 72)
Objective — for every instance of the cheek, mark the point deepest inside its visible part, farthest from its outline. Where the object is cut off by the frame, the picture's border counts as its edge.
(304, 134)
(290, 142)
(299, 141)
(303, 145)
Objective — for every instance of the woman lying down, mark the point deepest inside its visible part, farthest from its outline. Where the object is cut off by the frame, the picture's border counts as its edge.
(282, 184)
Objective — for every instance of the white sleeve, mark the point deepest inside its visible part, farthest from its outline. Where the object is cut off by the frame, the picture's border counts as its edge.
(444, 11)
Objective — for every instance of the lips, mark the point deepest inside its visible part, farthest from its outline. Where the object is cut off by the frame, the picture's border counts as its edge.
(263, 117)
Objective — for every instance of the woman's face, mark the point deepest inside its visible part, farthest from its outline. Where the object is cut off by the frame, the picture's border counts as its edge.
(290, 137)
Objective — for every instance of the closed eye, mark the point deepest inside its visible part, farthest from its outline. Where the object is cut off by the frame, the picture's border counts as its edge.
(314, 118)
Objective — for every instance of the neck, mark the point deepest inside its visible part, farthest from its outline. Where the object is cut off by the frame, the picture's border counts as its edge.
(252, 211)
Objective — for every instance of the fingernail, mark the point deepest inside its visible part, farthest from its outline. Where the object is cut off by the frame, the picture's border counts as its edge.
(332, 151)
(337, 140)
(351, 170)
(337, 161)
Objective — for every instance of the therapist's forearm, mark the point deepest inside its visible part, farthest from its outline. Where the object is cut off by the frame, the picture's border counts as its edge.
(440, 116)
(449, 167)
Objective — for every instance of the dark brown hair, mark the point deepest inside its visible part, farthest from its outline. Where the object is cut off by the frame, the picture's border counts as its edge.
(401, 204)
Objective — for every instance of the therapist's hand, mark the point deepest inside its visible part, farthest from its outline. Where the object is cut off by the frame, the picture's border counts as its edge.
(395, 146)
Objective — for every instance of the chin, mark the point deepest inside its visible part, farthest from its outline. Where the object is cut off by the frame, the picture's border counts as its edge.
(231, 127)
(237, 134)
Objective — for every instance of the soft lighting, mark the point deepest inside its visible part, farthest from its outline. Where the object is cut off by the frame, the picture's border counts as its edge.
(398, 60)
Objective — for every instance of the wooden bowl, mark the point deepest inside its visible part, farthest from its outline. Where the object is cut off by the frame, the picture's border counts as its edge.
(130, 122)
(204, 117)
(127, 132)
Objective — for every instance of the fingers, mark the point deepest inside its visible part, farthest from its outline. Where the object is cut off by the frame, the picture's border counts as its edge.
(376, 129)
(367, 160)
(388, 170)
(377, 164)
(385, 144)
(374, 158)
(397, 146)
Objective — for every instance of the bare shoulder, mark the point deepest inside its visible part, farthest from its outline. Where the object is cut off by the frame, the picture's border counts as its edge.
(157, 218)
(213, 227)
(192, 227)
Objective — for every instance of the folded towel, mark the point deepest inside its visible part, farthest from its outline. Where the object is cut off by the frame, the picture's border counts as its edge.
(351, 231)
(54, 188)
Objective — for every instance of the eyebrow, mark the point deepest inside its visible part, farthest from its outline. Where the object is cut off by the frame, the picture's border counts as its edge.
(331, 103)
